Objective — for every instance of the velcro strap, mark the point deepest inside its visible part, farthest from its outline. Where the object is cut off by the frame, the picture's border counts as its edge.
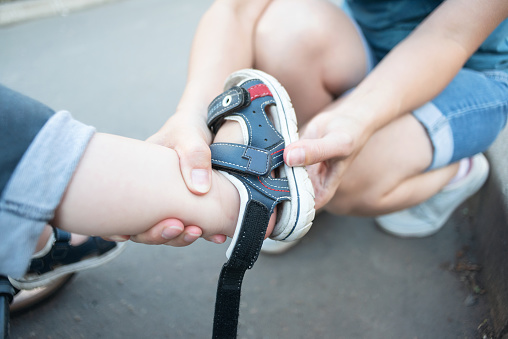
(229, 101)
(245, 254)
(241, 158)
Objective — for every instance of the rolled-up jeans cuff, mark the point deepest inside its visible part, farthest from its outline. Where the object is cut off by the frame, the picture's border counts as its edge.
(439, 132)
(36, 187)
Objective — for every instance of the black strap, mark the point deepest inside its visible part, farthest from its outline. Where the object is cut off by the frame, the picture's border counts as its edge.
(243, 257)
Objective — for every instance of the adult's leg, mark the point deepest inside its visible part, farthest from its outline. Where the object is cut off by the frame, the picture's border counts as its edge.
(390, 173)
(313, 48)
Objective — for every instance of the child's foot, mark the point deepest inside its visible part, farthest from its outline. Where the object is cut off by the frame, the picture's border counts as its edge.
(231, 132)
(61, 256)
(429, 217)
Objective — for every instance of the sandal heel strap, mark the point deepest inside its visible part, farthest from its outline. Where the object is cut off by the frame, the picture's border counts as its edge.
(243, 257)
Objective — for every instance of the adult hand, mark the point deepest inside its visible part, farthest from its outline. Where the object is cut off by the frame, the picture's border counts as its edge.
(188, 134)
(328, 145)
(170, 232)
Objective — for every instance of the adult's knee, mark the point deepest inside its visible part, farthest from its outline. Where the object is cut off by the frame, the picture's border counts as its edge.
(291, 31)
(311, 42)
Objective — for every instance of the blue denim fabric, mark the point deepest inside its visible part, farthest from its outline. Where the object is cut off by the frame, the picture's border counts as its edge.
(467, 116)
(387, 22)
(21, 118)
(36, 187)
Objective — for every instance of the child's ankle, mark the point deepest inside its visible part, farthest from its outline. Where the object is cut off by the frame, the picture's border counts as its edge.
(230, 205)
(231, 131)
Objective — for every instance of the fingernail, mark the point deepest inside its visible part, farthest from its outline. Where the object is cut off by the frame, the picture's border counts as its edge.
(170, 232)
(216, 240)
(117, 238)
(200, 180)
(190, 237)
(296, 157)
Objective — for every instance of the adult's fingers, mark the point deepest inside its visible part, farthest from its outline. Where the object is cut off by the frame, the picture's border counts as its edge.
(217, 238)
(311, 151)
(325, 177)
(187, 237)
(188, 134)
(116, 238)
(195, 165)
(166, 231)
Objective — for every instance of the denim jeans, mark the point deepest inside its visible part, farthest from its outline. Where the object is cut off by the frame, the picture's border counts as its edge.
(468, 115)
(21, 118)
(39, 153)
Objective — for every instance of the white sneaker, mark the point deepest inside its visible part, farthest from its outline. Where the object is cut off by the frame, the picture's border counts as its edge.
(271, 246)
(429, 216)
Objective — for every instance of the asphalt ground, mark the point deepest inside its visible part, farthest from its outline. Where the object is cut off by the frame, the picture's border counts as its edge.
(121, 67)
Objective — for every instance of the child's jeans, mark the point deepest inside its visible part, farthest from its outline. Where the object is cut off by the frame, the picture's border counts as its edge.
(39, 153)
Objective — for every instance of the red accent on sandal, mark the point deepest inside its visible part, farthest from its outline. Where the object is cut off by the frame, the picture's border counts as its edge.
(271, 189)
(259, 91)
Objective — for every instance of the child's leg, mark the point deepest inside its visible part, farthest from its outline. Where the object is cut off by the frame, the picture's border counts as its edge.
(125, 186)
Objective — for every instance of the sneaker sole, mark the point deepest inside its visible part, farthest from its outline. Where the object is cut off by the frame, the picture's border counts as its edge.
(480, 165)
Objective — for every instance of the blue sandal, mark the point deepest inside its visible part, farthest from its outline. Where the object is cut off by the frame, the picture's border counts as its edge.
(252, 98)
(59, 258)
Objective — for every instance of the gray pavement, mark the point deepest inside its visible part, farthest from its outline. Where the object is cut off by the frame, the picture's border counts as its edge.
(121, 67)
